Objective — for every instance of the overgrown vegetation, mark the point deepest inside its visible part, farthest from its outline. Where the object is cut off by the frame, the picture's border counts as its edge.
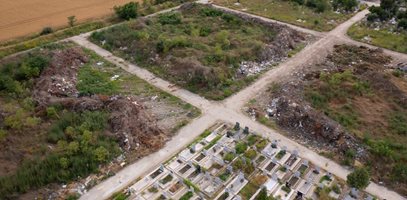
(385, 26)
(314, 14)
(359, 178)
(204, 47)
(357, 96)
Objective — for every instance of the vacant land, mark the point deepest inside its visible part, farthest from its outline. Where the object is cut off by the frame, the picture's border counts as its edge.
(290, 12)
(65, 111)
(205, 50)
(20, 17)
(355, 107)
(379, 36)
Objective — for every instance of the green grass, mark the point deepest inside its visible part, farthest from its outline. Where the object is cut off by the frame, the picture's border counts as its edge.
(289, 12)
(248, 190)
(381, 38)
(206, 47)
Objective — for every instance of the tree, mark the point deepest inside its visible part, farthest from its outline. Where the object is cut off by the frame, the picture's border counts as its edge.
(72, 20)
(359, 178)
(127, 11)
(101, 154)
(403, 25)
(46, 31)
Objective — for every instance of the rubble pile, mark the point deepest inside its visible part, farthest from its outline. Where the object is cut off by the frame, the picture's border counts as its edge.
(129, 122)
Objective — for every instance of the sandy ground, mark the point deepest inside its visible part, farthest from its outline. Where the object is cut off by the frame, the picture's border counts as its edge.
(22, 17)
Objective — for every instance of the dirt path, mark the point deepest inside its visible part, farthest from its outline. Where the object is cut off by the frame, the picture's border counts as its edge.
(21, 17)
(230, 111)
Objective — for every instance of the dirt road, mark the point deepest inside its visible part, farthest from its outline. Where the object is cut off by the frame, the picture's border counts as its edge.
(21, 17)
(229, 110)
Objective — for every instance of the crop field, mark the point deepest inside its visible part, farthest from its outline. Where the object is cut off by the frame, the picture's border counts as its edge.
(21, 17)
(289, 12)
(203, 49)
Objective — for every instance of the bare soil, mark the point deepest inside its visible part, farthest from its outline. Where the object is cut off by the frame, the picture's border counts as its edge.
(19, 18)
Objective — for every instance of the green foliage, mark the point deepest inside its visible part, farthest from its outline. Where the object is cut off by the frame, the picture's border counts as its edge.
(318, 5)
(348, 5)
(398, 123)
(359, 178)
(187, 196)
(399, 173)
(127, 11)
(211, 12)
(229, 157)
(47, 30)
(251, 154)
(93, 81)
(52, 112)
(3, 134)
(171, 18)
(71, 20)
(240, 147)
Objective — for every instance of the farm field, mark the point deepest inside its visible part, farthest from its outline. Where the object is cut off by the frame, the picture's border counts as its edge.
(20, 17)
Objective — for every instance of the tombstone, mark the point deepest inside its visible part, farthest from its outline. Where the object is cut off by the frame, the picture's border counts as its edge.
(274, 177)
(306, 163)
(165, 194)
(190, 163)
(254, 147)
(274, 160)
(295, 152)
(193, 149)
(205, 152)
(229, 134)
(181, 180)
(230, 169)
(329, 175)
(246, 130)
(237, 126)
(237, 197)
(191, 189)
(207, 176)
(354, 192)
(155, 185)
(162, 167)
(317, 170)
(241, 175)
(286, 166)
(297, 174)
(274, 145)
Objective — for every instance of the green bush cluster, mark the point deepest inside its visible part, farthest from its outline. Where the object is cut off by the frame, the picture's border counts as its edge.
(80, 149)
(127, 11)
(93, 81)
(16, 77)
(172, 18)
(359, 178)
(318, 5)
(387, 10)
(347, 5)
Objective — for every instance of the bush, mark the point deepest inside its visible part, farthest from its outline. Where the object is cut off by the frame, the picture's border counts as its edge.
(402, 24)
(398, 123)
(240, 147)
(300, 2)
(348, 5)
(46, 31)
(127, 11)
(170, 18)
(399, 173)
(359, 178)
(318, 5)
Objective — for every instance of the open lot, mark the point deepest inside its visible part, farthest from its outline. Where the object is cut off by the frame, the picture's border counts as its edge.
(65, 111)
(350, 106)
(20, 18)
(205, 50)
(289, 12)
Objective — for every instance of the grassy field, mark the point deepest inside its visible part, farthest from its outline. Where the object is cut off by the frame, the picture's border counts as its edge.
(381, 38)
(290, 12)
(62, 145)
(199, 48)
(36, 40)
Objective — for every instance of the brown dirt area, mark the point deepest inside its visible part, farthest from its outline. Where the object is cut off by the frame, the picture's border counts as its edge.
(351, 101)
(20, 17)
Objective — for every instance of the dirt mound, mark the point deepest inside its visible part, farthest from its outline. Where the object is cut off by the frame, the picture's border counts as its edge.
(135, 129)
(129, 122)
(60, 77)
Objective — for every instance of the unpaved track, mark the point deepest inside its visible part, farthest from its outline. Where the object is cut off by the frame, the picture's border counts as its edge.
(22, 17)
(229, 110)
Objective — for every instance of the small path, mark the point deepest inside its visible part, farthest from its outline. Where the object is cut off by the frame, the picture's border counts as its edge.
(229, 110)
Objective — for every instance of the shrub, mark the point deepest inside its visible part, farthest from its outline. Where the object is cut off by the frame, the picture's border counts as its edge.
(399, 173)
(398, 123)
(71, 20)
(211, 12)
(46, 31)
(240, 147)
(170, 18)
(300, 2)
(318, 5)
(402, 24)
(348, 5)
(359, 178)
(127, 11)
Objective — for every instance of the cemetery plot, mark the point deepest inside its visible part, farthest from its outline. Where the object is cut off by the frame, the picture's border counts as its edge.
(66, 113)
(351, 106)
(205, 50)
(318, 15)
(230, 169)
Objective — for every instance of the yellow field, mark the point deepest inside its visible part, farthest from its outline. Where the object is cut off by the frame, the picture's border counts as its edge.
(22, 17)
